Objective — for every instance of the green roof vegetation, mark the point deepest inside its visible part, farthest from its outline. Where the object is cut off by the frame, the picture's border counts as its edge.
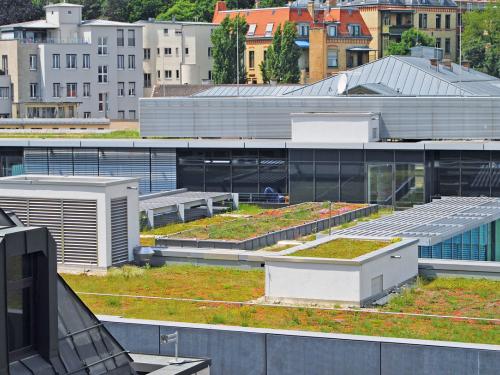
(454, 298)
(342, 248)
(116, 134)
(270, 220)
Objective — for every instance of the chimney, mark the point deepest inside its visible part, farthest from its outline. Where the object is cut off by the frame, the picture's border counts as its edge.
(310, 9)
(257, 4)
(220, 6)
(447, 63)
(466, 65)
(434, 63)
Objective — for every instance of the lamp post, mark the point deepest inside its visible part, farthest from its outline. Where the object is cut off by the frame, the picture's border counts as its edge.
(330, 219)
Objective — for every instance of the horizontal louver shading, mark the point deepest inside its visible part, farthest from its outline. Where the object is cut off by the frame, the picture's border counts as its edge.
(72, 223)
(163, 170)
(60, 161)
(86, 161)
(119, 231)
(36, 160)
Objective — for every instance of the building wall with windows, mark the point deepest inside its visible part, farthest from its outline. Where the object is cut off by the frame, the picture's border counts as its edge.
(176, 53)
(388, 22)
(75, 68)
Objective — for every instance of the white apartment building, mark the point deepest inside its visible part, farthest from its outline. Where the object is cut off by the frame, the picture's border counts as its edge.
(176, 53)
(62, 66)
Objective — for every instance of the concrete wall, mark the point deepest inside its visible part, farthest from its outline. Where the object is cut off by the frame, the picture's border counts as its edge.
(252, 351)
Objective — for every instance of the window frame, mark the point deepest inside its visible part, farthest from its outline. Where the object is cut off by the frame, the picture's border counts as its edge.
(70, 85)
(102, 46)
(86, 61)
(71, 57)
(102, 74)
(56, 61)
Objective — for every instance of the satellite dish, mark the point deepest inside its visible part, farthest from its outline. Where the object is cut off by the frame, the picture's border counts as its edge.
(342, 84)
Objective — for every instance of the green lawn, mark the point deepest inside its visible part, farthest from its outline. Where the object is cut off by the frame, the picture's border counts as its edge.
(455, 297)
(112, 135)
(341, 248)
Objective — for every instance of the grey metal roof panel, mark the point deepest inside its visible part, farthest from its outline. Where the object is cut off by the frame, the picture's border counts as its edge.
(247, 90)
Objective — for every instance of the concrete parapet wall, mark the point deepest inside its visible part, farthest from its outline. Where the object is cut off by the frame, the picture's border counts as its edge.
(254, 351)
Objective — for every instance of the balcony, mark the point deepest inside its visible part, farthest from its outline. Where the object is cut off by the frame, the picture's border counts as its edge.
(395, 29)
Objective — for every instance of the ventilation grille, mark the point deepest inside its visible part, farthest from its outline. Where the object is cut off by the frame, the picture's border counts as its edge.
(72, 223)
(119, 231)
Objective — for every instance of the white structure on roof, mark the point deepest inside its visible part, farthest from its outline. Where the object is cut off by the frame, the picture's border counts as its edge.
(357, 281)
(176, 53)
(65, 67)
(94, 220)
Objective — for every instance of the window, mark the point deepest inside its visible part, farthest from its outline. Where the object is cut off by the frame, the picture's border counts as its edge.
(269, 30)
(447, 45)
(120, 63)
(102, 74)
(131, 38)
(71, 61)
(332, 30)
(438, 21)
(121, 115)
(86, 61)
(209, 51)
(102, 102)
(165, 32)
(422, 21)
(4, 93)
(131, 61)
(158, 74)
(303, 29)
(186, 51)
(86, 89)
(147, 80)
(147, 53)
(447, 21)
(121, 88)
(167, 51)
(354, 30)
(131, 89)
(177, 74)
(56, 90)
(210, 75)
(120, 38)
(71, 90)
(332, 58)
(438, 43)
(33, 62)
(56, 61)
(131, 114)
(176, 51)
(102, 45)
(178, 32)
(168, 74)
(251, 29)
(86, 115)
(157, 51)
(251, 59)
(33, 90)
(5, 64)
(20, 302)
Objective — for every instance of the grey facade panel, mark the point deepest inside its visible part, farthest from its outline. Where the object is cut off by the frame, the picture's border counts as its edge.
(269, 117)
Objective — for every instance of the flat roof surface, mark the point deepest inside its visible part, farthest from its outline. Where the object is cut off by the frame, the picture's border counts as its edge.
(173, 199)
(64, 180)
(432, 222)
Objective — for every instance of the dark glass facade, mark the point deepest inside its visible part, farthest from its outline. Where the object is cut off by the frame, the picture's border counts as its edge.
(390, 177)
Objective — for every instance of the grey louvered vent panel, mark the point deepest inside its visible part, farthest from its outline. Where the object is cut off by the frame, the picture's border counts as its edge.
(72, 223)
(126, 163)
(18, 206)
(60, 161)
(163, 170)
(80, 231)
(35, 160)
(86, 161)
(119, 230)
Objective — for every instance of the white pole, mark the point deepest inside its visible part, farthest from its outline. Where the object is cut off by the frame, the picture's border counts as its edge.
(460, 48)
(237, 50)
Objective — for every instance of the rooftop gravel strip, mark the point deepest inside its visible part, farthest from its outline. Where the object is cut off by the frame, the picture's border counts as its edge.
(342, 248)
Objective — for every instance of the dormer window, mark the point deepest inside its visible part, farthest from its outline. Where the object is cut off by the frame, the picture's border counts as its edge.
(269, 29)
(251, 29)
(303, 29)
(332, 30)
(354, 30)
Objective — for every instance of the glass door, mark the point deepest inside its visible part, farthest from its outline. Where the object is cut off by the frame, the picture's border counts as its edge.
(380, 183)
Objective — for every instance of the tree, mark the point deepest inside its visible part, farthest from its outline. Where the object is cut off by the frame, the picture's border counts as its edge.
(272, 3)
(13, 11)
(410, 38)
(145, 9)
(115, 10)
(282, 58)
(481, 40)
(224, 50)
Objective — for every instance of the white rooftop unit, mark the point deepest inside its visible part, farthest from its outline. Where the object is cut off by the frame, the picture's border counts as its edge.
(94, 220)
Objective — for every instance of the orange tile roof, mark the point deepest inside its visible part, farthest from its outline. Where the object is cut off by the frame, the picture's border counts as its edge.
(278, 16)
